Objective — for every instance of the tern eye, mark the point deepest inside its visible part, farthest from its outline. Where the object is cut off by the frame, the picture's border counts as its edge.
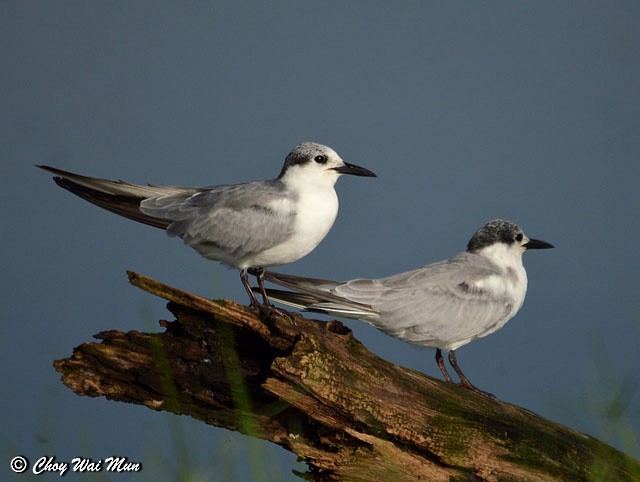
(320, 159)
(519, 237)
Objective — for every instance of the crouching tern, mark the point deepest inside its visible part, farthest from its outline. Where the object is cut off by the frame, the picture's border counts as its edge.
(443, 305)
(251, 225)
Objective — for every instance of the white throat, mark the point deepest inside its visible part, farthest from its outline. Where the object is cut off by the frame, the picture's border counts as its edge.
(512, 281)
(503, 255)
(309, 177)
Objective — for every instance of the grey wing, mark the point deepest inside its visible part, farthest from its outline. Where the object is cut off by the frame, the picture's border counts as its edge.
(388, 303)
(239, 219)
(436, 305)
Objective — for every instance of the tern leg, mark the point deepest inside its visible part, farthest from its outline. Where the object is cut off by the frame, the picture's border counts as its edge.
(245, 282)
(266, 307)
(443, 369)
(464, 381)
(259, 274)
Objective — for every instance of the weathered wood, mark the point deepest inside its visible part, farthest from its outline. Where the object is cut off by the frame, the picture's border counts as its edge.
(317, 391)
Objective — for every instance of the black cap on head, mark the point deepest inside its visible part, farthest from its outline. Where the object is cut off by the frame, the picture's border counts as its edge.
(501, 231)
(496, 231)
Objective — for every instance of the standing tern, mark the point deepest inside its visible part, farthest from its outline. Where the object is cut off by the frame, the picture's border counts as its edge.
(251, 225)
(443, 305)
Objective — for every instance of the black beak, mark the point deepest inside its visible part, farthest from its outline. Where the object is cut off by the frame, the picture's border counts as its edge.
(537, 244)
(354, 170)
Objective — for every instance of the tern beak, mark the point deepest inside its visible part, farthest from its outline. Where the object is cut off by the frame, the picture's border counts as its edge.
(537, 244)
(354, 170)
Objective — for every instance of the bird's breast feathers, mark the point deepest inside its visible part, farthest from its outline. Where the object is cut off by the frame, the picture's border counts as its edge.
(511, 285)
(313, 212)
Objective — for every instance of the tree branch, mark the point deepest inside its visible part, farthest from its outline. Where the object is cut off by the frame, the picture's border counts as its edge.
(318, 392)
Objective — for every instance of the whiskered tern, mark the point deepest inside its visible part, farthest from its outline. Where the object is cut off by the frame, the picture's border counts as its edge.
(251, 225)
(443, 305)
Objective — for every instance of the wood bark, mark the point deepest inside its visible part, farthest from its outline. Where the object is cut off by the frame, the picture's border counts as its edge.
(315, 390)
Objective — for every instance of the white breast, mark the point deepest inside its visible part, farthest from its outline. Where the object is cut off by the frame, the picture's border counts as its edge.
(316, 209)
(511, 283)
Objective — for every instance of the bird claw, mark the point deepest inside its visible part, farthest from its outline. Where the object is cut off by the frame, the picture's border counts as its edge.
(267, 312)
(475, 389)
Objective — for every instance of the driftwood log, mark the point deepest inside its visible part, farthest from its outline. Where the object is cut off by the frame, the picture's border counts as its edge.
(315, 390)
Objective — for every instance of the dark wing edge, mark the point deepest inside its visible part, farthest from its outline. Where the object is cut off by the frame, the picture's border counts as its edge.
(126, 205)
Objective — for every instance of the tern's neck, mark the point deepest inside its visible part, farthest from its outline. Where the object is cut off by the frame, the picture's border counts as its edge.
(301, 180)
(503, 255)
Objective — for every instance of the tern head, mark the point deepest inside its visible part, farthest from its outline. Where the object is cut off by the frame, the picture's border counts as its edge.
(503, 236)
(313, 163)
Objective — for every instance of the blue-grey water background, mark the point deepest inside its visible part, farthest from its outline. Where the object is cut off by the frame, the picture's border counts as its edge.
(467, 111)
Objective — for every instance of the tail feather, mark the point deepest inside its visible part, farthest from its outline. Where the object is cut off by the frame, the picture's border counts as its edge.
(120, 188)
(119, 197)
(350, 310)
(127, 206)
(295, 282)
(315, 295)
(297, 300)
